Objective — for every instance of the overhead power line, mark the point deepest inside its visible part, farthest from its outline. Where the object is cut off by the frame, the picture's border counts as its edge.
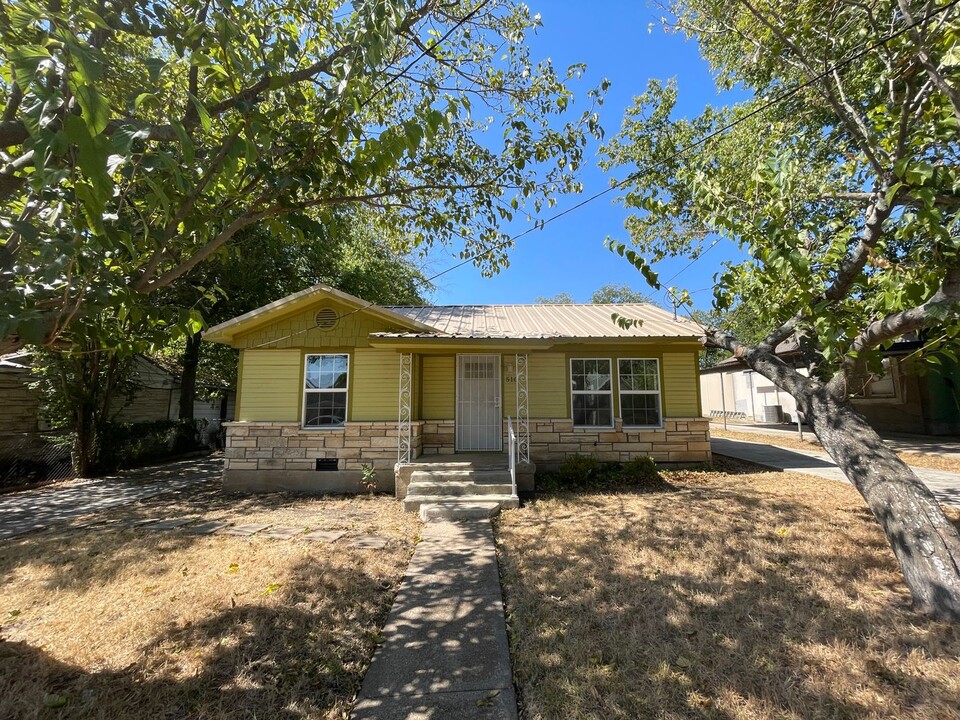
(775, 100)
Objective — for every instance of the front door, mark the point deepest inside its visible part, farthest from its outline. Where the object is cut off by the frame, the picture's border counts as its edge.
(479, 421)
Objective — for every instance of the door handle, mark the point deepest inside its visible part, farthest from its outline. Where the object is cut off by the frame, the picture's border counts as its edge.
(496, 402)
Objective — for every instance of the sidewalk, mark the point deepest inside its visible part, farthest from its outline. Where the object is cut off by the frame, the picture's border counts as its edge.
(445, 652)
(22, 512)
(944, 485)
(920, 444)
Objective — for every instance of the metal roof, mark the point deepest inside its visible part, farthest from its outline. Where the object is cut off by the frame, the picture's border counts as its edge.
(542, 321)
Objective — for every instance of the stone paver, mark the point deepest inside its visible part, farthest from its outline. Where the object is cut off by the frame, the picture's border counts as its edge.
(44, 507)
(206, 528)
(244, 530)
(283, 533)
(445, 652)
(327, 536)
(170, 524)
(944, 485)
(368, 542)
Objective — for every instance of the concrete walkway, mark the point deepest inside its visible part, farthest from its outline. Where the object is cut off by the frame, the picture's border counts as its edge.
(36, 509)
(445, 653)
(944, 485)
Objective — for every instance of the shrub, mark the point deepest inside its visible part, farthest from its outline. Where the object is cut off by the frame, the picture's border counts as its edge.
(640, 471)
(578, 470)
(123, 445)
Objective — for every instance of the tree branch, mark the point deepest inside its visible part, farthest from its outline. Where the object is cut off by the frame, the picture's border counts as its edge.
(943, 302)
(933, 72)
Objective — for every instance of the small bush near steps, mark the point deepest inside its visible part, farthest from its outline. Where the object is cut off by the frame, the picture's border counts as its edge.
(582, 472)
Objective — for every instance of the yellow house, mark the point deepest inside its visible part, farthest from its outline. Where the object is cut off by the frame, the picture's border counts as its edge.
(329, 383)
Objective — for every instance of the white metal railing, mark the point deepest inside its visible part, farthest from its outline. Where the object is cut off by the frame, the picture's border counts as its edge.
(512, 452)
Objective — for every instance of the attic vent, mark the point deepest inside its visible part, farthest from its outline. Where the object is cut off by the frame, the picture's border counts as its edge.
(327, 318)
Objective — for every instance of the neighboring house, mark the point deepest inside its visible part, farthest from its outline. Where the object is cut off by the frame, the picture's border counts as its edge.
(329, 382)
(899, 400)
(156, 396)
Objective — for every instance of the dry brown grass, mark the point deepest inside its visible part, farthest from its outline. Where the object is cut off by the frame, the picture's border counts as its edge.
(126, 623)
(754, 595)
(924, 460)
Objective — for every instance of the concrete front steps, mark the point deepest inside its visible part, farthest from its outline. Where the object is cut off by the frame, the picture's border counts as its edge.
(458, 492)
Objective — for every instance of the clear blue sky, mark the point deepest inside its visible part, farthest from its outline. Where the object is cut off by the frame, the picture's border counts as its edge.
(611, 37)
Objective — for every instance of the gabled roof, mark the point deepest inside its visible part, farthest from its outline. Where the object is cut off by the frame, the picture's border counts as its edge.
(225, 331)
(452, 322)
(528, 322)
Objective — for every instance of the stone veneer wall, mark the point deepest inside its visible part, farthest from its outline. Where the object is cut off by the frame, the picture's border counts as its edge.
(552, 440)
(286, 446)
(683, 440)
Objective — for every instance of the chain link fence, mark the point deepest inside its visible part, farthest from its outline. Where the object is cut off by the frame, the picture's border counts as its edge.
(34, 458)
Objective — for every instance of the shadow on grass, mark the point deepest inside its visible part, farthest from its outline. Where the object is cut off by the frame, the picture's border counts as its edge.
(722, 600)
(303, 657)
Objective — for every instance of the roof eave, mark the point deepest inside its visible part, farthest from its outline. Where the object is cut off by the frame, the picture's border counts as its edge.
(225, 332)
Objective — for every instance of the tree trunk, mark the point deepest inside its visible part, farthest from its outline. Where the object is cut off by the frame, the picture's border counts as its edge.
(925, 543)
(85, 443)
(188, 377)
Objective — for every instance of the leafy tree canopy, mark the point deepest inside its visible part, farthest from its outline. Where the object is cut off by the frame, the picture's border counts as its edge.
(140, 137)
(609, 294)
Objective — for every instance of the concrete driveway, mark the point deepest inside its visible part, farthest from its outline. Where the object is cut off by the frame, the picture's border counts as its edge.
(944, 485)
(40, 508)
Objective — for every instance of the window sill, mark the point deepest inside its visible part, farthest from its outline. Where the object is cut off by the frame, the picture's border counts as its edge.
(322, 428)
(593, 427)
(643, 427)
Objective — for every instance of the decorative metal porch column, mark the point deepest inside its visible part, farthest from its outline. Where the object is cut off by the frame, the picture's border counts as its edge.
(523, 415)
(404, 445)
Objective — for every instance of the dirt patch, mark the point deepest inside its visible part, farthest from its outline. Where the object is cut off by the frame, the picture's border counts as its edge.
(118, 622)
(738, 595)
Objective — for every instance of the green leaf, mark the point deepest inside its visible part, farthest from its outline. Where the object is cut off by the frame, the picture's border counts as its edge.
(26, 60)
(92, 156)
(154, 66)
(202, 113)
(93, 107)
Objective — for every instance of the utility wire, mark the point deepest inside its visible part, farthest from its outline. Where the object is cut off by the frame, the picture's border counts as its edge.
(786, 95)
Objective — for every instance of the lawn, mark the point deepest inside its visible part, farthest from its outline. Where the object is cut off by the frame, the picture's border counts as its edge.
(736, 594)
(115, 622)
(930, 460)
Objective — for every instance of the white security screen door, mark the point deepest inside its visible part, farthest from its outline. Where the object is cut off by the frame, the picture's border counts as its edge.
(479, 420)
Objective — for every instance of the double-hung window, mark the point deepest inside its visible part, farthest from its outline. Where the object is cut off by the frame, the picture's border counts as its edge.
(325, 390)
(591, 391)
(639, 392)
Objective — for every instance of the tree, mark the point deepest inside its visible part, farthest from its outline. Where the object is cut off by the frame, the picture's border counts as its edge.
(841, 179)
(141, 137)
(346, 250)
(609, 294)
(558, 299)
(614, 294)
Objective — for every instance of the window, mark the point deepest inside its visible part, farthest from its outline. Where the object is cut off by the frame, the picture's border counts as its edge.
(592, 393)
(871, 386)
(640, 392)
(325, 390)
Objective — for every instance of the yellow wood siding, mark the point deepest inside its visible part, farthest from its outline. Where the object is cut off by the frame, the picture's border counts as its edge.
(374, 384)
(680, 385)
(271, 383)
(299, 330)
(438, 387)
(547, 385)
